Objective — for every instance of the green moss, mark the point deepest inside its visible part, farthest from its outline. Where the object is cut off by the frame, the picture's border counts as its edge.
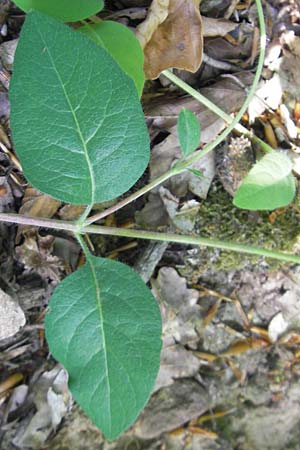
(219, 218)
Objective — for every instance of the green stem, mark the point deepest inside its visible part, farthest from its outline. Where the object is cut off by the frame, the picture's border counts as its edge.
(83, 245)
(84, 215)
(248, 99)
(215, 109)
(132, 197)
(192, 240)
(148, 235)
(233, 123)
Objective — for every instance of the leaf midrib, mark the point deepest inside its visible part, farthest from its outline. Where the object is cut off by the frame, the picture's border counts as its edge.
(73, 112)
(101, 318)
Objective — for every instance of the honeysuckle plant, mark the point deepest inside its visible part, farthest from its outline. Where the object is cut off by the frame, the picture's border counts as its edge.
(79, 131)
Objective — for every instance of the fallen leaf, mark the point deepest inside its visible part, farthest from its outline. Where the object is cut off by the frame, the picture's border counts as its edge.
(71, 212)
(11, 382)
(244, 345)
(290, 63)
(171, 36)
(6, 196)
(35, 254)
(217, 27)
(268, 95)
(179, 308)
(157, 14)
(202, 432)
(165, 154)
(226, 93)
(36, 204)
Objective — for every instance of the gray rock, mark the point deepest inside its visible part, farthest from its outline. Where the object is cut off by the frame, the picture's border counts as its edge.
(171, 407)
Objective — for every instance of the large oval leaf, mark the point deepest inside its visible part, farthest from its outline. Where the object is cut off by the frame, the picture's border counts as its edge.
(122, 44)
(65, 10)
(76, 119)
(104, 326)
(269, 184)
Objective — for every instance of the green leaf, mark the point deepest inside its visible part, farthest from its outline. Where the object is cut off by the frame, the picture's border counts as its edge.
(104, 326)
(65, 10)
(123, 46)
(76, 119)
(189, 132)
(197, 172)
(269, 184)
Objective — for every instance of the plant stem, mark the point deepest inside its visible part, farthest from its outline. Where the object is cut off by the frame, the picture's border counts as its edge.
(83, 245)
(148, 235)
(84, 215)
(132, 197)
(209, 147)
(39, 222)
(192, 240)
(214, 108)
(248, 99)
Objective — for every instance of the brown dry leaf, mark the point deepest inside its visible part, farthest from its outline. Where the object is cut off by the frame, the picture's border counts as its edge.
(35, 254)
(71, 212)
(217, 27)
(227, 93)
(36, 204)
(6, 196)
(158, 12)
(202, 432)
(171, 36)
(244, 345)
(290, 64)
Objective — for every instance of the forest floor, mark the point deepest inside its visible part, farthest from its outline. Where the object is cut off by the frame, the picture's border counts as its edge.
(230, 365)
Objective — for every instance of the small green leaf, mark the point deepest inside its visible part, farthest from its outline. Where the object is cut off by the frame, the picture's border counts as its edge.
(104, 326)
(269, 184)
(189, 132)
(123, 46)
(65, 10)
(196, 172)
(76, 119)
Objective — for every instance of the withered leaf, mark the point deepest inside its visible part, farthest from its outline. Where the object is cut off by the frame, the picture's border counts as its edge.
(171, 36)
(36, 204)
(36, 255)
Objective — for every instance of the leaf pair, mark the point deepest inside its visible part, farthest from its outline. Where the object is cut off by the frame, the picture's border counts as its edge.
(269, 184)
(79, 131)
